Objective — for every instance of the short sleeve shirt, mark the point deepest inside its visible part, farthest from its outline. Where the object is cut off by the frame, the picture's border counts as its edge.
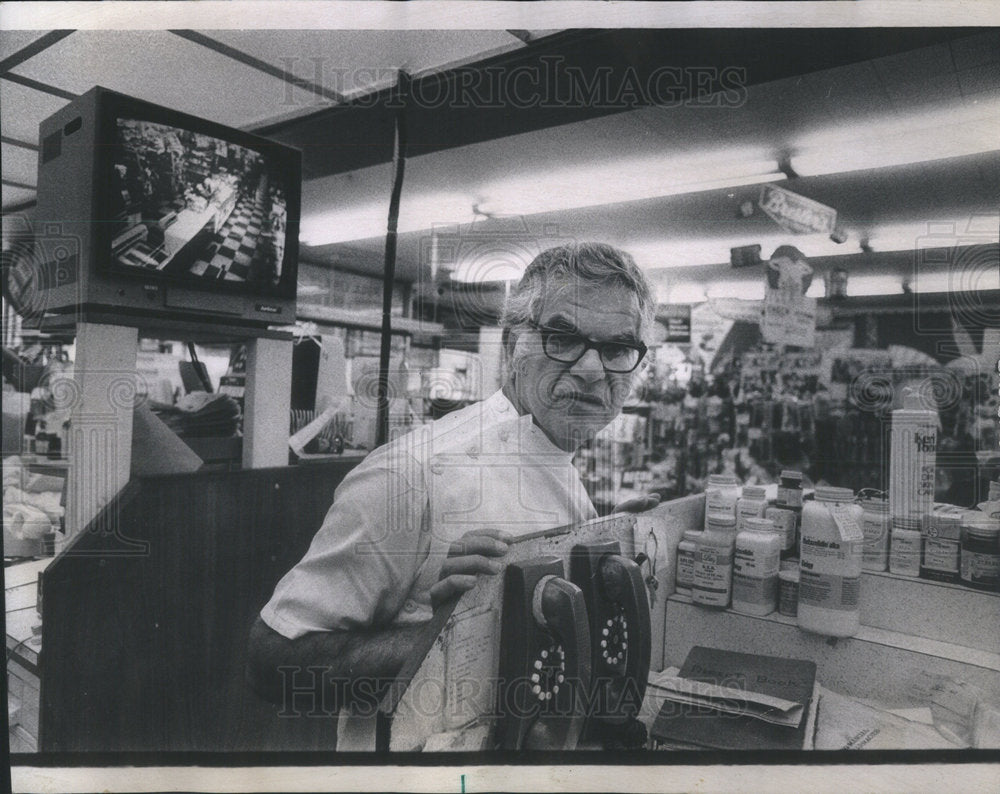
(383, 542)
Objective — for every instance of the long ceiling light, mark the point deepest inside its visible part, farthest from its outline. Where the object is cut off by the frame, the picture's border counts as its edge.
(553, 191)
(968, 129)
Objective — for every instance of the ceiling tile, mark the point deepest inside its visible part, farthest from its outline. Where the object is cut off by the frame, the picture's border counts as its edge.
(161, 67)
(24, 109)
(14, 40)
(19, 165)
(14, 196)
(976, 50)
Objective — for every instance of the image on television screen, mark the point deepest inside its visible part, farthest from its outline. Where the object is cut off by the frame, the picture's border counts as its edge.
(194, 207)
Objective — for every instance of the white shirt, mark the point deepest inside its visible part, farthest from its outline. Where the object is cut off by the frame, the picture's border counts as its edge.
(394, 517)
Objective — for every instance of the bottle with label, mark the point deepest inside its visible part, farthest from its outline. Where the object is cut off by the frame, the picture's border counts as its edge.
(751, 504)
(942, 540)
(904, 548)
(788, 591)
(912, 459)
(980, 551)
(686, 551)
(876, 526)
(755, 567)
(830, 564)
(721, 493)
(786, 513)
(713, 566)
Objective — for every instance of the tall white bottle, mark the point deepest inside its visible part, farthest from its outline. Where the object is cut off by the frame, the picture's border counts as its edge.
(912, 460)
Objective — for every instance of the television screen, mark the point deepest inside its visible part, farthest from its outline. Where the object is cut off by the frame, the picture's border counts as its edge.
(202, 210)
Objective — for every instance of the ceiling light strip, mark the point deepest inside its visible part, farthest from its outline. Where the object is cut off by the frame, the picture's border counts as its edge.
(27, 82)
(37, 46)
(261, 66)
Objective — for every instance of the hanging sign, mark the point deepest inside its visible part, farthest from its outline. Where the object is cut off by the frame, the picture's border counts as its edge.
(796, 213)
(676, 318)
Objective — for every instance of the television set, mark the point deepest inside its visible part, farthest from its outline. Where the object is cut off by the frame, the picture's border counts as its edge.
(146, 211)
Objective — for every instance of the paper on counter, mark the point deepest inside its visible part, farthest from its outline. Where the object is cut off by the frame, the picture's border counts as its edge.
(729, 700)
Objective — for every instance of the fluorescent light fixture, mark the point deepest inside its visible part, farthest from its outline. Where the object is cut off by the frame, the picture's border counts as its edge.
(686, 292)
(591, 185)
(964, 130)
(858, 286)
(625, 180)
(975, 230)
(369, 220)
(673, 253)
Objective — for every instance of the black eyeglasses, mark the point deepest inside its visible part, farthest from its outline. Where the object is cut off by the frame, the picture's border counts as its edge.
(568, 348)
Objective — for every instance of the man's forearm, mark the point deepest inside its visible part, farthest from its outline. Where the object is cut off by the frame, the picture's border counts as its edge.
(278, 665)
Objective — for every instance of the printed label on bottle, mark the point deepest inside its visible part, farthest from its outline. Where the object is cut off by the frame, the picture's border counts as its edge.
(751, 564)
(685, 568)
(829, 591)
(982, 569)
(791, 497)
(755, 589)
(712, 576)
(847, 523)
(941, 555)
(784, 522)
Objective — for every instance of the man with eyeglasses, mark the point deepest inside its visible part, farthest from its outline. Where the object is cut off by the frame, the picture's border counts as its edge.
(422, 517)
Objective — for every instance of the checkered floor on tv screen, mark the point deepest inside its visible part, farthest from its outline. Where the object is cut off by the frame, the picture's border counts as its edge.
(235, 244)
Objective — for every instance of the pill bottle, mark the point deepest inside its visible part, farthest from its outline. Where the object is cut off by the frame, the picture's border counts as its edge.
(904, 547)
(713, 567)
(980, 563)
(942, 540)
(721, 493)
(788, 591)
(787, 510)
(877, 527)
(755, 567)
(830, 563)
(912, 452)
(751, 504)
(686, 551)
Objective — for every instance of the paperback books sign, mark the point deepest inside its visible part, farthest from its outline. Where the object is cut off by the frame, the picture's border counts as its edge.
(796, 213)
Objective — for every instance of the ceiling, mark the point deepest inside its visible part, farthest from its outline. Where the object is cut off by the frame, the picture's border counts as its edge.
(524, 166)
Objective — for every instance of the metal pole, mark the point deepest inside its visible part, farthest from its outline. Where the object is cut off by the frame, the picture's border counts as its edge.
(389, 273)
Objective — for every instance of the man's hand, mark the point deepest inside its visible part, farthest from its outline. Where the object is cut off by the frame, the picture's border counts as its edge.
(474, 553)
(638, 504)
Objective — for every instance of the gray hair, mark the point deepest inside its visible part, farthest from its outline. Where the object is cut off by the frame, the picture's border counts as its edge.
(593, 263)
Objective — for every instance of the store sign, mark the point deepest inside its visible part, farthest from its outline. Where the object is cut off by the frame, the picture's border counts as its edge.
(796, 213)
(677, 320)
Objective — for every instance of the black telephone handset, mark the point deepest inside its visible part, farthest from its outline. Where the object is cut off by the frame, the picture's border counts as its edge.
(619, 626)
(544, 658)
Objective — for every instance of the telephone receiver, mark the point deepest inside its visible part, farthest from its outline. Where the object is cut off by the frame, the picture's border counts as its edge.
(544, 658)
(619, 627)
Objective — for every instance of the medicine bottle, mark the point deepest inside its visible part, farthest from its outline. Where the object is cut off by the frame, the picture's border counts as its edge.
(942, 547)
(751, 504)
(713, 565)
(830, 564)
(787, 510)
(788, 591)
(912, 459)
(904, 547)
(877, 527)
(980, 551)
(721, 493)
(755, 567)
(686, 551)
